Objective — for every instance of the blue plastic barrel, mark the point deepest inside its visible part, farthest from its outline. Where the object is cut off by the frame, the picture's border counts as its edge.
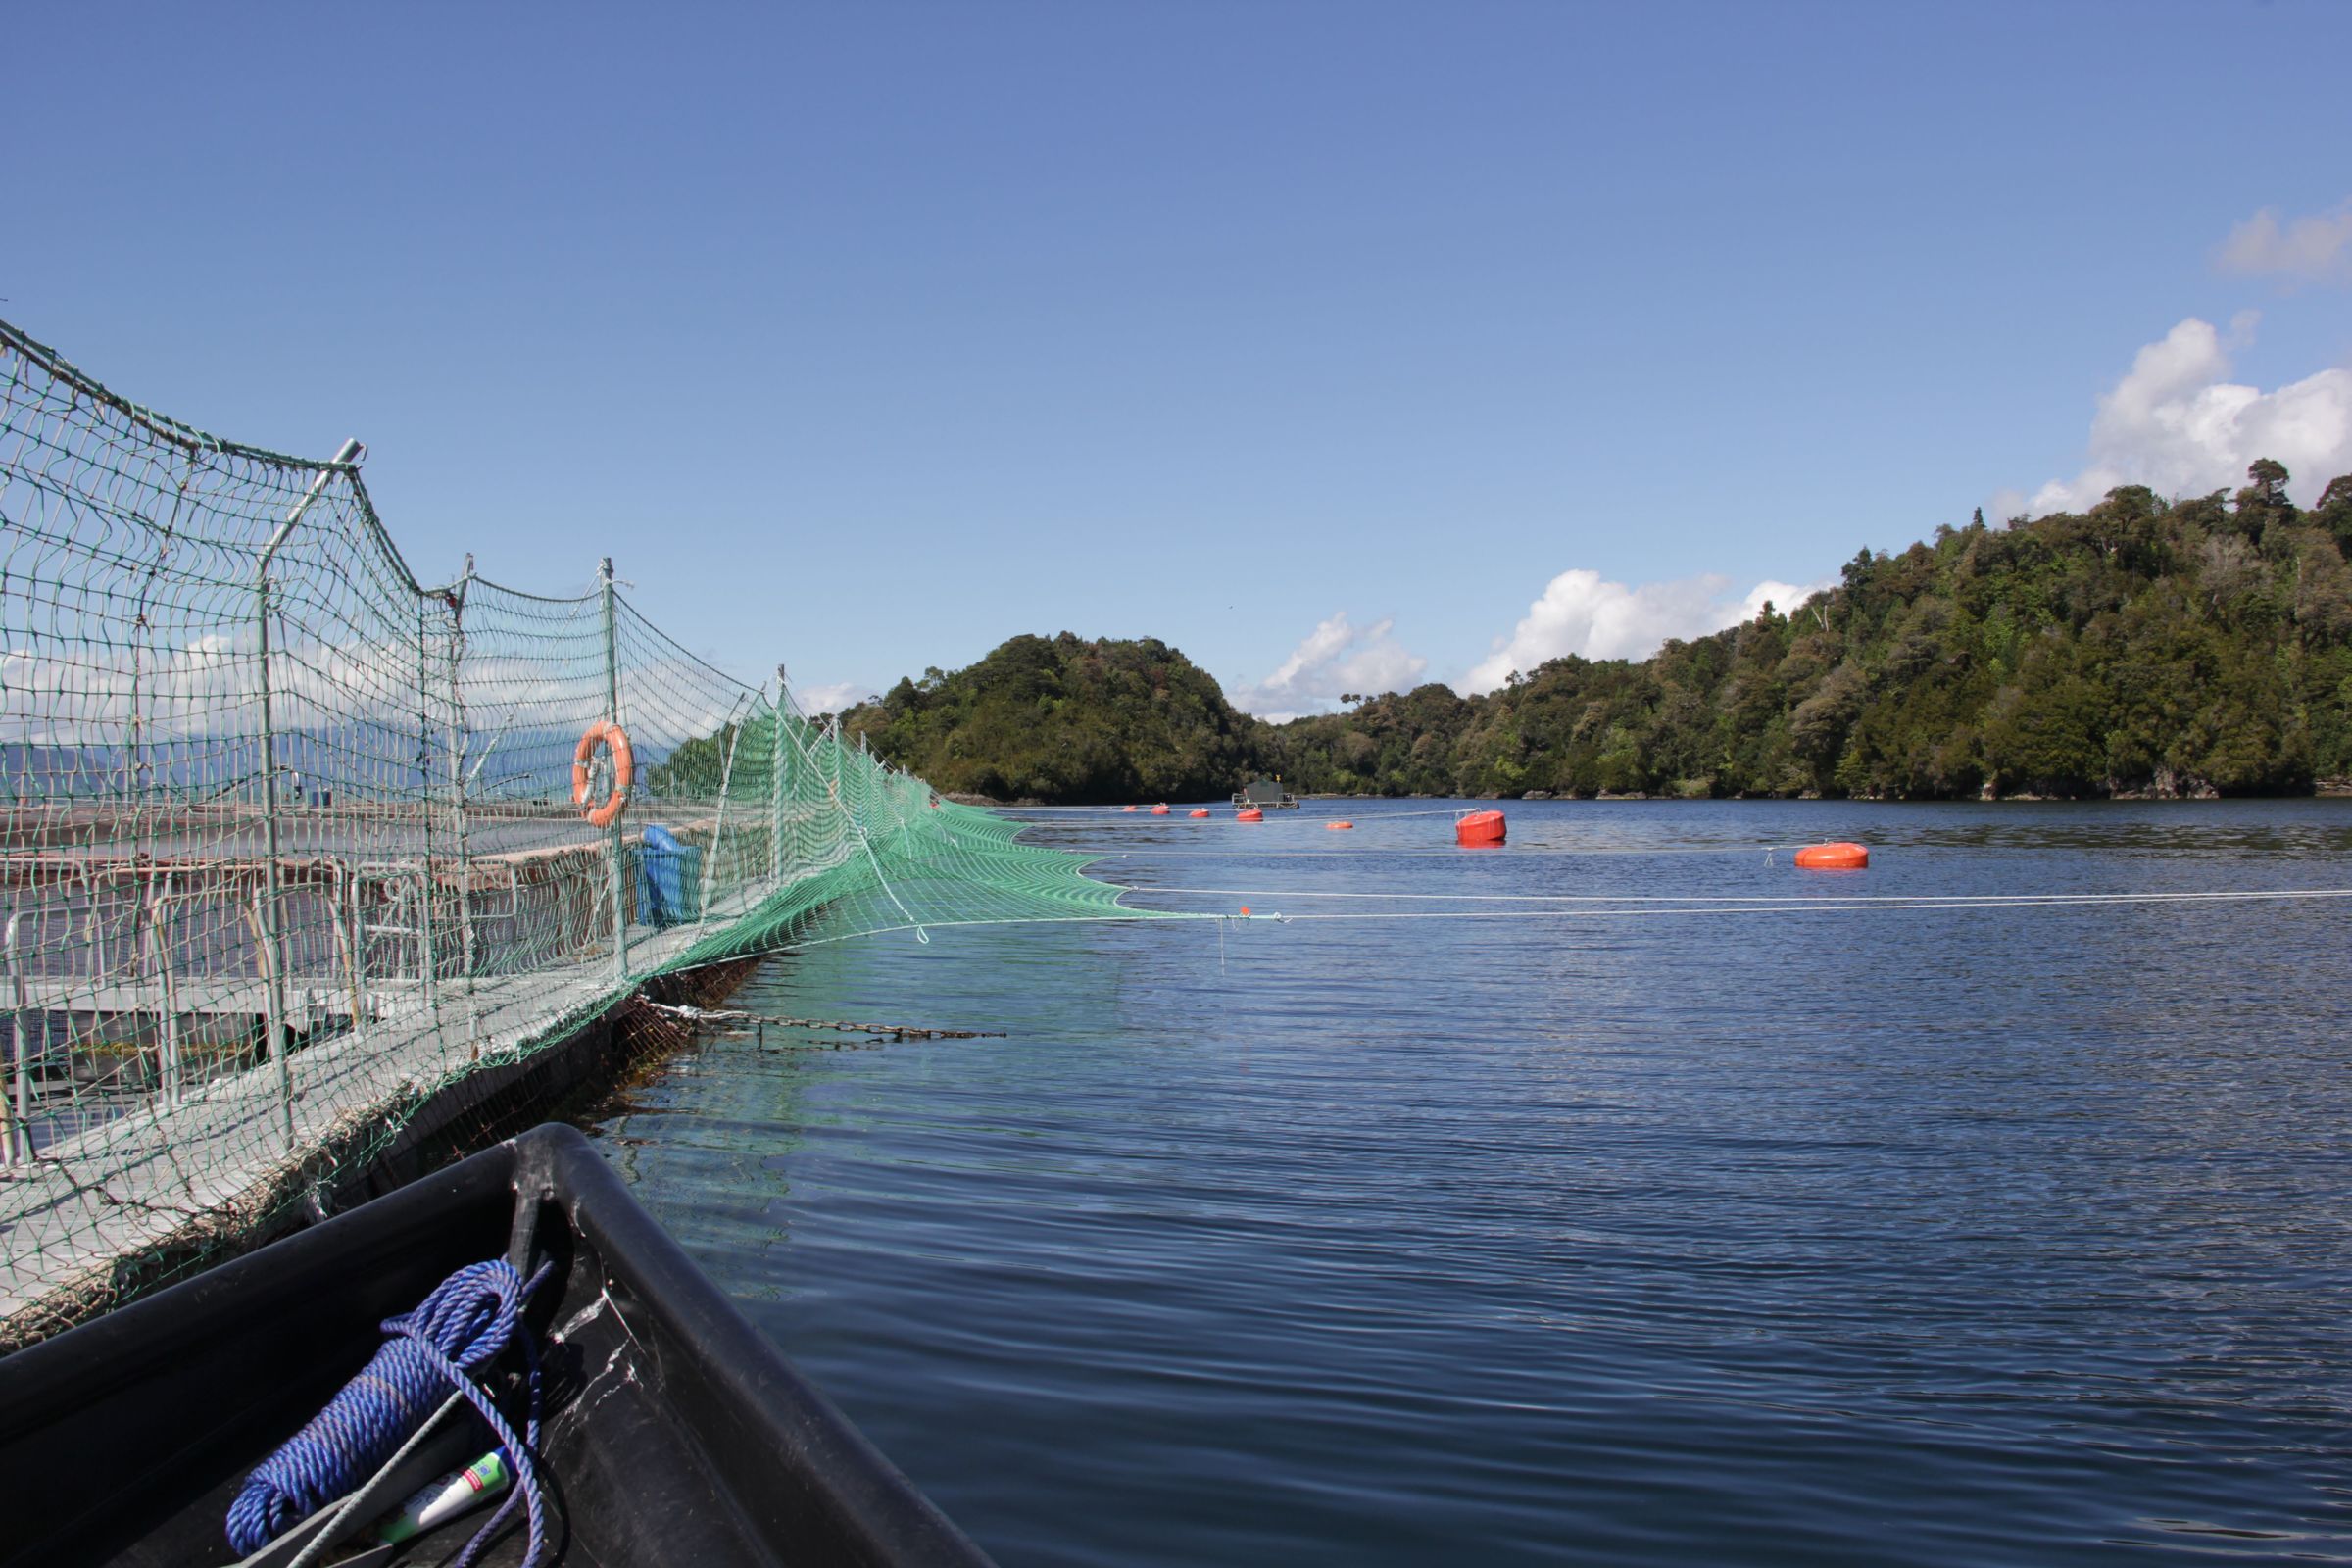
(669, 880)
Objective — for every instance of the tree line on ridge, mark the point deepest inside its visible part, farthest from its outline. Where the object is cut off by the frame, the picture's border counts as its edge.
(2145, 646)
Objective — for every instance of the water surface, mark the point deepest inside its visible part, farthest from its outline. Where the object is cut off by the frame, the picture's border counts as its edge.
(1884, 1234)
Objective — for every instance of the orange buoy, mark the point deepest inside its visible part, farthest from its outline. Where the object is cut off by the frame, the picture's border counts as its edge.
(1834, 857)
(1478, 829)
(624, 767)
(1250, 814)
(1333, 827)
(1245, 908)
(1203, 811)
(1126, 808)
(1160, 809)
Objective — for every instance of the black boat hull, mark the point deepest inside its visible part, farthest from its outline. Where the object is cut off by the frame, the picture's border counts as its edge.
(675, 1432)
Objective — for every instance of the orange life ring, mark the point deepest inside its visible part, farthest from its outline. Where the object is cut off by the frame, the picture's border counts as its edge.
(624, 768)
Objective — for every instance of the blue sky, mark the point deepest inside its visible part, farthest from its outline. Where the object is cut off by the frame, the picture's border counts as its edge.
(1362, 343)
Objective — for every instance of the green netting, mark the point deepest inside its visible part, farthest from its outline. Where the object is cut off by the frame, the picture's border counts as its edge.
(290, 843)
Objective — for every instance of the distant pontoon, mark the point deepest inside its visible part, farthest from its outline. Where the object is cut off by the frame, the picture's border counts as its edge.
(1267, 795)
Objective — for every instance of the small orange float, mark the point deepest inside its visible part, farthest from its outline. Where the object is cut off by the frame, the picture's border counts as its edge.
(1203, 811)
(1333, 827)
(1126, 808)
(616, 740)
(1251, 815)
(1478, 829)
(1160, 809)
(1834, 857)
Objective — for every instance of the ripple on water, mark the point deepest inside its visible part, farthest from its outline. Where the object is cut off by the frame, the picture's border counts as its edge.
(1984, 1235)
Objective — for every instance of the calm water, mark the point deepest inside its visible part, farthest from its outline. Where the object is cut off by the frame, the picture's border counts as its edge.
(1880, 1235)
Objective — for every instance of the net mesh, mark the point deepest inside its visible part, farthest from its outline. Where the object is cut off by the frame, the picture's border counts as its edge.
(291, 843)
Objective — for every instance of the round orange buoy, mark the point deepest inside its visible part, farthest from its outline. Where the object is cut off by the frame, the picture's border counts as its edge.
(1834, 857)
(1126, 808)
(1479, 829)
(1204, 812)
(1250, 814)
(1333, 827)
(624, 767)
(1245, 908)
(1160, 809)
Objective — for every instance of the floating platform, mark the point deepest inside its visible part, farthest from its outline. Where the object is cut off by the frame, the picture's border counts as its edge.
(1266, 794)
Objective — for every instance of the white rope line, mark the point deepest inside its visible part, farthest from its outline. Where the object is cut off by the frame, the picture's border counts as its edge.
(1391, 817)
(1351, 851)
(1828, 906)
(1175, 808)
(1103, 811)
(1913, 901)
(1125, 916)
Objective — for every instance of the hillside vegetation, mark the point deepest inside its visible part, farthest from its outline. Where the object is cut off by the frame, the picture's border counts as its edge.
(1063, 719)
(2141, 647)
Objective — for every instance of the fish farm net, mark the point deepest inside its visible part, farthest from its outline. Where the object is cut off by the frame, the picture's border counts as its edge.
(291, 843)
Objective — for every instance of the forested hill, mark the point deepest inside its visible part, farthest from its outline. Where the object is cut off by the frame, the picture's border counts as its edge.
(1064, 720)
(2141, 647)
(2205, 644)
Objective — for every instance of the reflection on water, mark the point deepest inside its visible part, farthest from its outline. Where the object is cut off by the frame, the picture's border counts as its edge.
(1919, 1235)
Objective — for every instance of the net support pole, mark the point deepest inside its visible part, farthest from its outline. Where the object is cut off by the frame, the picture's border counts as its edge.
(613, 851)
(158, 948)
(272, 911)
(458, 827)
(20, 1125)
(776, 784)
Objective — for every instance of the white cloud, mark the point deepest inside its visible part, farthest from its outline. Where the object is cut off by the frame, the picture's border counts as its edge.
(2178, 426)
(832, 697)
(1334, 659)
(1581, 613)
(2315, 249)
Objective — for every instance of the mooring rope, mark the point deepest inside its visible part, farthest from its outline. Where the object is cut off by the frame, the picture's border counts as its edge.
(1912, 901)
(467, 1320)
(1624, 908)
(1361, 851)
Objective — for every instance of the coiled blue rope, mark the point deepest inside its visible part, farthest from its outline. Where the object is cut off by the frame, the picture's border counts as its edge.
(461, 1327)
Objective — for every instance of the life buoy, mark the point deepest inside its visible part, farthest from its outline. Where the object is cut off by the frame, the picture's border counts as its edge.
(624, 768)
(1834, 858)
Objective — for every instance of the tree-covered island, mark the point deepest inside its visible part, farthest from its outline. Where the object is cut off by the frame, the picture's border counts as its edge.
(2143, 646)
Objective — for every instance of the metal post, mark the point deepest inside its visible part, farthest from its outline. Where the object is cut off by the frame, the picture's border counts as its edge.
(271, 912)
(21, 1125)
(840, 804)
(776, 784)
(356, 915)
(424, 825)
(158, 939)
(427, 961)
(457, 797)
(733, 731)
(614, 853)
(273, 1002)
